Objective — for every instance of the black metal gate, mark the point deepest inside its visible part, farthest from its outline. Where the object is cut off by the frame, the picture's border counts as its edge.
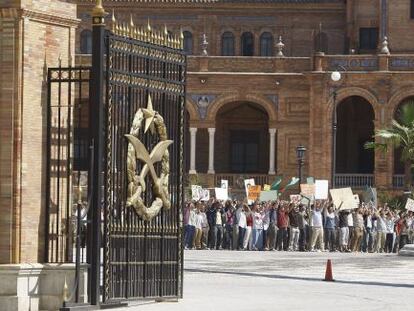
(128, 149)
(142, 256)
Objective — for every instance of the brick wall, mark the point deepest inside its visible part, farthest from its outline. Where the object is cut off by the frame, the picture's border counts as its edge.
(30, 40)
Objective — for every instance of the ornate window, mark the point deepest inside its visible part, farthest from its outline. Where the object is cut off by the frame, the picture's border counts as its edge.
(188, 42)
(368, 38)
(247, 44)
(86, 41)
(321, 42)
(227, 44)
(266, 44)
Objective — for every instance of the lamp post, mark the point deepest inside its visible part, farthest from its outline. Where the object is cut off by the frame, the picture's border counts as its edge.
(335, 77)
(300, 155)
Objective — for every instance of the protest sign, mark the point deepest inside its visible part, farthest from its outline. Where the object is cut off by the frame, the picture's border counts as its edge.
(307, 190)
(409, 206)
(310, 180)
(292, 182)
(247, 184)
(221, 194)
(224, 184)
(276, 183)
(321, 189)
(204, 194)
(195, 192)
(254, 193)
(343, 198)
(266, 196)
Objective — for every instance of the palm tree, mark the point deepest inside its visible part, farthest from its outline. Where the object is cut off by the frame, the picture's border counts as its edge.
(399, 134)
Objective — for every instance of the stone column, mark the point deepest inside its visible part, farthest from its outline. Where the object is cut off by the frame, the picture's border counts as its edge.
(193, 133)
(211, 132)
(272, 133)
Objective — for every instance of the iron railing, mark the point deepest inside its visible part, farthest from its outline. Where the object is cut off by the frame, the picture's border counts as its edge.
(354, 180)
(398, 181)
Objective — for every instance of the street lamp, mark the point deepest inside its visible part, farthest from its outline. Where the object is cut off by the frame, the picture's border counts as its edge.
(335, 77)
(300, 155)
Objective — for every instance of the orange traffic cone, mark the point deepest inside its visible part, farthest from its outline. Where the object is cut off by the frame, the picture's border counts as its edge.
(328, 272)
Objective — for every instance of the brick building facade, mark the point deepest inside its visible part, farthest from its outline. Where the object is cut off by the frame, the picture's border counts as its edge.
(264, 86)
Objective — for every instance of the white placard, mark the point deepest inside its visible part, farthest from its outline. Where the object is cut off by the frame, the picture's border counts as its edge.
(409, 206)
(267, 196)
(321, 189)
(195, 192)
(204, 194)
(343, 198)
(247, 183)
(221, 194)
(224, 184)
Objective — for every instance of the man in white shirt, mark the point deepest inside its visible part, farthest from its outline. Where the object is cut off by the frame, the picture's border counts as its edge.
(317, 227)
(242, 224)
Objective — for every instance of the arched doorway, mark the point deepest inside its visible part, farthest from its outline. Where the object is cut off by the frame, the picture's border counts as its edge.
(242, 139)
(355, 126)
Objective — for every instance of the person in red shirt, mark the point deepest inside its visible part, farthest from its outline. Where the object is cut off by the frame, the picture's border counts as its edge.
(282, 224)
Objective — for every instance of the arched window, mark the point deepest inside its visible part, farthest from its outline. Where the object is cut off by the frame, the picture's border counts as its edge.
(247, 44)
(266, 44)
(321, 42)
(86, 41)
(227, 44)
(188, 42)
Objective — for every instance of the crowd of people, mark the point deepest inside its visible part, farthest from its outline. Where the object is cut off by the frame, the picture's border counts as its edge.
(292, 226)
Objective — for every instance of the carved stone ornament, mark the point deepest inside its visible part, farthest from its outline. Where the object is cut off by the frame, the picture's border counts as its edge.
(137, 151)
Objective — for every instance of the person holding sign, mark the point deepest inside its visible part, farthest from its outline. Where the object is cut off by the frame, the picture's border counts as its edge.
(330, 227)
(316, 225)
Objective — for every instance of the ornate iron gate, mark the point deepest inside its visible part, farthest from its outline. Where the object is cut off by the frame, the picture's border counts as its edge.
(143, 161)
(132, 153)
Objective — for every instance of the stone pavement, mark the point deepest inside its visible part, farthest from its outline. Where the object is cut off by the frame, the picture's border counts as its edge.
(253, 281)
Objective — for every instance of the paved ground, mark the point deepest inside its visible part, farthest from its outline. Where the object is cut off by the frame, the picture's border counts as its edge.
(253, 281)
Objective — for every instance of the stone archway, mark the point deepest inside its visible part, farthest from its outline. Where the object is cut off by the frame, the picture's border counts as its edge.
(242, 138)
(355, 126)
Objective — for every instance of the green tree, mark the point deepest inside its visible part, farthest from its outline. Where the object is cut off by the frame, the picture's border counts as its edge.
(399, 134)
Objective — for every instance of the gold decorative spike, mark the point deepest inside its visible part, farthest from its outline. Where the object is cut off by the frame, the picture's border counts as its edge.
(175, 42)
(181, 39)
(160, 38)
(65, 292)
(117, 28)
(126, 32)
(165, 35)
(148, 26)
(140, 36)
(131, 26)
(113, 21)
(136, 33)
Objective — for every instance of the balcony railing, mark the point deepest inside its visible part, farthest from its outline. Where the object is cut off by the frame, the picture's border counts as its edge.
(398, 181)
(236, 181)
(354, 180)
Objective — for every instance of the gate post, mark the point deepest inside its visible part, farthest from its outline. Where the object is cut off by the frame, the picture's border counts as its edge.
(96, 123)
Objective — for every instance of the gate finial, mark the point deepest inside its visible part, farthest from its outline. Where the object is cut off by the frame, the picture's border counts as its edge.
(98, 10)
